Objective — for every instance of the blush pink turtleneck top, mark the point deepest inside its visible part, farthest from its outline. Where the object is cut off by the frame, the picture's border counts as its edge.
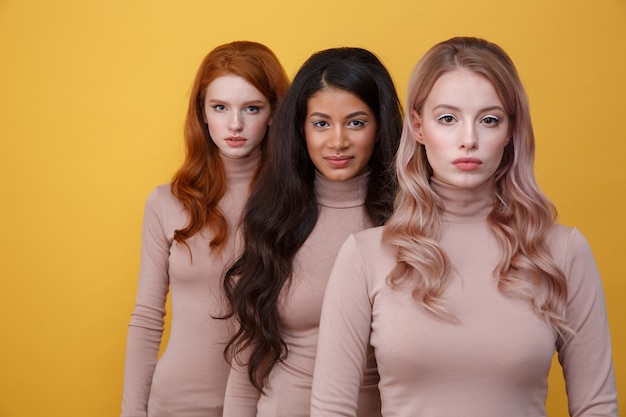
(494, 362)
(189, 380)
(288, 393)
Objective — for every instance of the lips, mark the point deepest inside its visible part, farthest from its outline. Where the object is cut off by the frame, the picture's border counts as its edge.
(467, 163)
(338, 161)
(235, 141)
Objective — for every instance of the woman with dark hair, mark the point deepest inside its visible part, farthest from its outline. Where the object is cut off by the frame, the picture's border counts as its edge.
(328, 174)
(189, 236)
(471, 286)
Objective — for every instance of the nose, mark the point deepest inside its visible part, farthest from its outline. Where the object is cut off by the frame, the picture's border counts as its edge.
(235, 122)
(470, 138)
(338, 139)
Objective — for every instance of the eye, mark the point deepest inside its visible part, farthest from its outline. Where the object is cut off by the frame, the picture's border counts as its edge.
(322, 124)
(253, 109)
(219, 107)
(446, 118)
(357, 123)
(490, 120)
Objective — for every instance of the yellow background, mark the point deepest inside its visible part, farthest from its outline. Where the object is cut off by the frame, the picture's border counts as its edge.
(92, 100)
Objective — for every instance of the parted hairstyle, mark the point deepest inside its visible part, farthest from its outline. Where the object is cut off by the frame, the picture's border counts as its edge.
(200, 182)
(282, 209)
(521, 217)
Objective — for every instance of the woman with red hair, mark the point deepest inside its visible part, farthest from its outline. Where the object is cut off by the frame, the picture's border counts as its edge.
(189, 236)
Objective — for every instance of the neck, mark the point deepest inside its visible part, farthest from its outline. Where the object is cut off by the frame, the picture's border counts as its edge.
(465, 205)
(240, 169)
(341, 194)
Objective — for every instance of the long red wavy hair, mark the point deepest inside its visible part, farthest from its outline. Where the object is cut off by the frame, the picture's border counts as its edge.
(200, 182)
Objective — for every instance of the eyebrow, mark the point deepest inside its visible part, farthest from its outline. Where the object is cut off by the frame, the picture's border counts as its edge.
(348, 116)
(450, 107)
(245, 103)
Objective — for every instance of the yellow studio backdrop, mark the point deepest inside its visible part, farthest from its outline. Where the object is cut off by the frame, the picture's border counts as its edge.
(92, 102)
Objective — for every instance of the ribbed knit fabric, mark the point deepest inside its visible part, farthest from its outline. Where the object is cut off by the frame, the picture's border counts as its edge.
(493, 362)
(289, 389)
(189, 380)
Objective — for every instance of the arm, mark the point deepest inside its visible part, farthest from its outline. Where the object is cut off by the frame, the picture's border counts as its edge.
(586, 357)
(343, 338)
(146, 326)
(241, 396)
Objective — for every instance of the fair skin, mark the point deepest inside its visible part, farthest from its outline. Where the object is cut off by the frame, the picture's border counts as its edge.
(340, 132)
(463, 127)
(237, 115)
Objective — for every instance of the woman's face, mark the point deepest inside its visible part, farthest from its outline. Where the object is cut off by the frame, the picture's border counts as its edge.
(340, 132)
(463, 127)
(237, 115)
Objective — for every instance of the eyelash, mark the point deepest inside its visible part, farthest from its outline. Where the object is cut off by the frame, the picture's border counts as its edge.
(351, 123)
(250, 109)
(319, 123)
(357, 123)
(487, 120)
(446, 118)
(493, 120)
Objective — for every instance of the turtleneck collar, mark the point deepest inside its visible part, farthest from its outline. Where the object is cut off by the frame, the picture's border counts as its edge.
(240, 169)
(464, 205)
(341, 194)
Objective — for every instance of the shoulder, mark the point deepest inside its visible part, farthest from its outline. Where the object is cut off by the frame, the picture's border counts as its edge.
(566, 242)
(370, 236)
(161, 196)
(372, 246)
(572, 253)
(162, 206)
(367, 257)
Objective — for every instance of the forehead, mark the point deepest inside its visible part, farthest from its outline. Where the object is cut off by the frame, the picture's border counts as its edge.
(231, 85)
(463, 87)
(334, 98)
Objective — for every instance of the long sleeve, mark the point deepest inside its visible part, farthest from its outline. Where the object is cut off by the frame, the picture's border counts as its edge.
(146, 327)
(287, 392)
(586, 357)
(343, 339)
(493, 360)
(241, 396)
(189, 378)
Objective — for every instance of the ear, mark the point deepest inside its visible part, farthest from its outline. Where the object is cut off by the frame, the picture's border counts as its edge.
(416, 124)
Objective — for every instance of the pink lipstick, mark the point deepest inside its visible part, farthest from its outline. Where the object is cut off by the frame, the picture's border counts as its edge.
(235, 141)
(338, 161)
(467, 163)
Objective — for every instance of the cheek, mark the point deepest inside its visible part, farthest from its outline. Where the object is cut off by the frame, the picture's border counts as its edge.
(259, 129)
(497, 153)
(430, 135)
(368, 149)
(313, 143)
(367, 142)
(212, 126)
(309, 138)
(503, 144)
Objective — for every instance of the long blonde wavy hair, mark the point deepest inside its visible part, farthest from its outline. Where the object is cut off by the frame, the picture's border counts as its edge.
(521, 217)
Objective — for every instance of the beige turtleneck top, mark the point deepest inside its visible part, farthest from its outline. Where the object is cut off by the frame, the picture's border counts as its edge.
(288, 393)
(189, 379)
(494, 362)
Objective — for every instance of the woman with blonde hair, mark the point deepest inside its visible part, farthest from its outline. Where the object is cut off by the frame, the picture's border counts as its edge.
(189, 236)
(471, 286)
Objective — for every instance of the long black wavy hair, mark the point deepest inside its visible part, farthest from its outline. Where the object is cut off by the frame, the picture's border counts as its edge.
(282, 209)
